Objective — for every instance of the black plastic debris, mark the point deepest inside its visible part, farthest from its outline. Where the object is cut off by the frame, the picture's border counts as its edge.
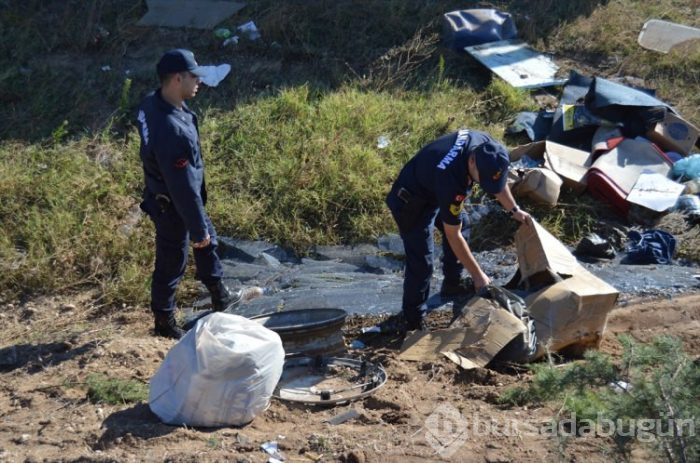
(464, 28)
(595, 246)
(536, 125)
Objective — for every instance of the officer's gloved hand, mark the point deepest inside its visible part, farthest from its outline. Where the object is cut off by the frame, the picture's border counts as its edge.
(481, 281)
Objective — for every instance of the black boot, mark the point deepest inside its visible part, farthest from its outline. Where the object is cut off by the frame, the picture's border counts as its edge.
(222, 298)
(166, 326)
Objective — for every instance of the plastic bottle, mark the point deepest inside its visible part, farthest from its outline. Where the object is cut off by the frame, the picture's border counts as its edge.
(222, 33)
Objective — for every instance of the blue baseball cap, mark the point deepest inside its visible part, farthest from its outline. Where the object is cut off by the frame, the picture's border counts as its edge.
(492, 161)
(178, 60)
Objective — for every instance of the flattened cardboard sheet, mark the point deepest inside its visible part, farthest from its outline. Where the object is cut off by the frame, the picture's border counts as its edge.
(198, 14)
(517, 63)
(471, 341)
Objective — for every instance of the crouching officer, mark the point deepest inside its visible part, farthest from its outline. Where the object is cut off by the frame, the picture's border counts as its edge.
(429, 192)
(175, 194)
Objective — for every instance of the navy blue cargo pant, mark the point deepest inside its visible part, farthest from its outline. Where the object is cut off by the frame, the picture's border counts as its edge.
(172, 246)
(419, 247)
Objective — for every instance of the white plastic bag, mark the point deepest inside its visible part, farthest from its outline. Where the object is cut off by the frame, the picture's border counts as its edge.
(221, 373)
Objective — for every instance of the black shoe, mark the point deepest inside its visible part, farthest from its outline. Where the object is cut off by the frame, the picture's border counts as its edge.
(397, 324)
(222, 298)
(461, 287)
(166, 326)
(420, 326)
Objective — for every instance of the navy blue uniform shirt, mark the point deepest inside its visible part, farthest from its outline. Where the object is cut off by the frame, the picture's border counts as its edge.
(172, 160)
(438, 172)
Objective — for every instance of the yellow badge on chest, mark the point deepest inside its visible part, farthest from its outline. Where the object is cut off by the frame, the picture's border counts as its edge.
(455, 209)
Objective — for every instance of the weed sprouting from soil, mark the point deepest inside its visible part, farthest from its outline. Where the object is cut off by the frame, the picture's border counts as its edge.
(113, 391)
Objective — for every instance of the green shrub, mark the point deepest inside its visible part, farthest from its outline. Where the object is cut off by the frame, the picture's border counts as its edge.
(655, 381)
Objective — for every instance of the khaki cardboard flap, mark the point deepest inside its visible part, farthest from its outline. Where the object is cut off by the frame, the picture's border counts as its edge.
(570, 163)
(538, 251)
(502, 329)
(534, 150)
(421, 346)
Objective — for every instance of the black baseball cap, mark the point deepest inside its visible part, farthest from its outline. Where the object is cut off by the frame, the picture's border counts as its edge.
(492, 161)
(178, 60)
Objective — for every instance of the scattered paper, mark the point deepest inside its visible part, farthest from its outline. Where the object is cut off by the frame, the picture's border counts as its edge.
(655, 191)
(250, 30)
(382, 142)
(620, 386)
(272, 449)
(213, 75)
(106, 68)
(231, 40)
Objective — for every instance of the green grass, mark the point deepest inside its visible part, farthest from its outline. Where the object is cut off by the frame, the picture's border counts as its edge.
(298, 168)
(290, 138)
(66, 211)
(113, 391)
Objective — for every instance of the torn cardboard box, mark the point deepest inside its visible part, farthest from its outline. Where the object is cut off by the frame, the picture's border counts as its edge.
(571, 310)
(674, 133)
(569, 307)
(540, 185)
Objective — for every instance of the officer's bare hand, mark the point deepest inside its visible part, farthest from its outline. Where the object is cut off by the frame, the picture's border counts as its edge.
(202, 244)
(522, 217)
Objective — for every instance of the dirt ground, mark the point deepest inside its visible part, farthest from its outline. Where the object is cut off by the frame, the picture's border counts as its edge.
(50, 346)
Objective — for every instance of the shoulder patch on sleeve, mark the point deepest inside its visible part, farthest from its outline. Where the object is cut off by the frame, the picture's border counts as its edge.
(181, 163)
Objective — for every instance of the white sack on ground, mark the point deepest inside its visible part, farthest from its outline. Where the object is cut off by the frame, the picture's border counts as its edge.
(221, 373)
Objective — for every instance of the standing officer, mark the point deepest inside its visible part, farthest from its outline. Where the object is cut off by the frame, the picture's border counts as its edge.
(430, 191)
(175, 192)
